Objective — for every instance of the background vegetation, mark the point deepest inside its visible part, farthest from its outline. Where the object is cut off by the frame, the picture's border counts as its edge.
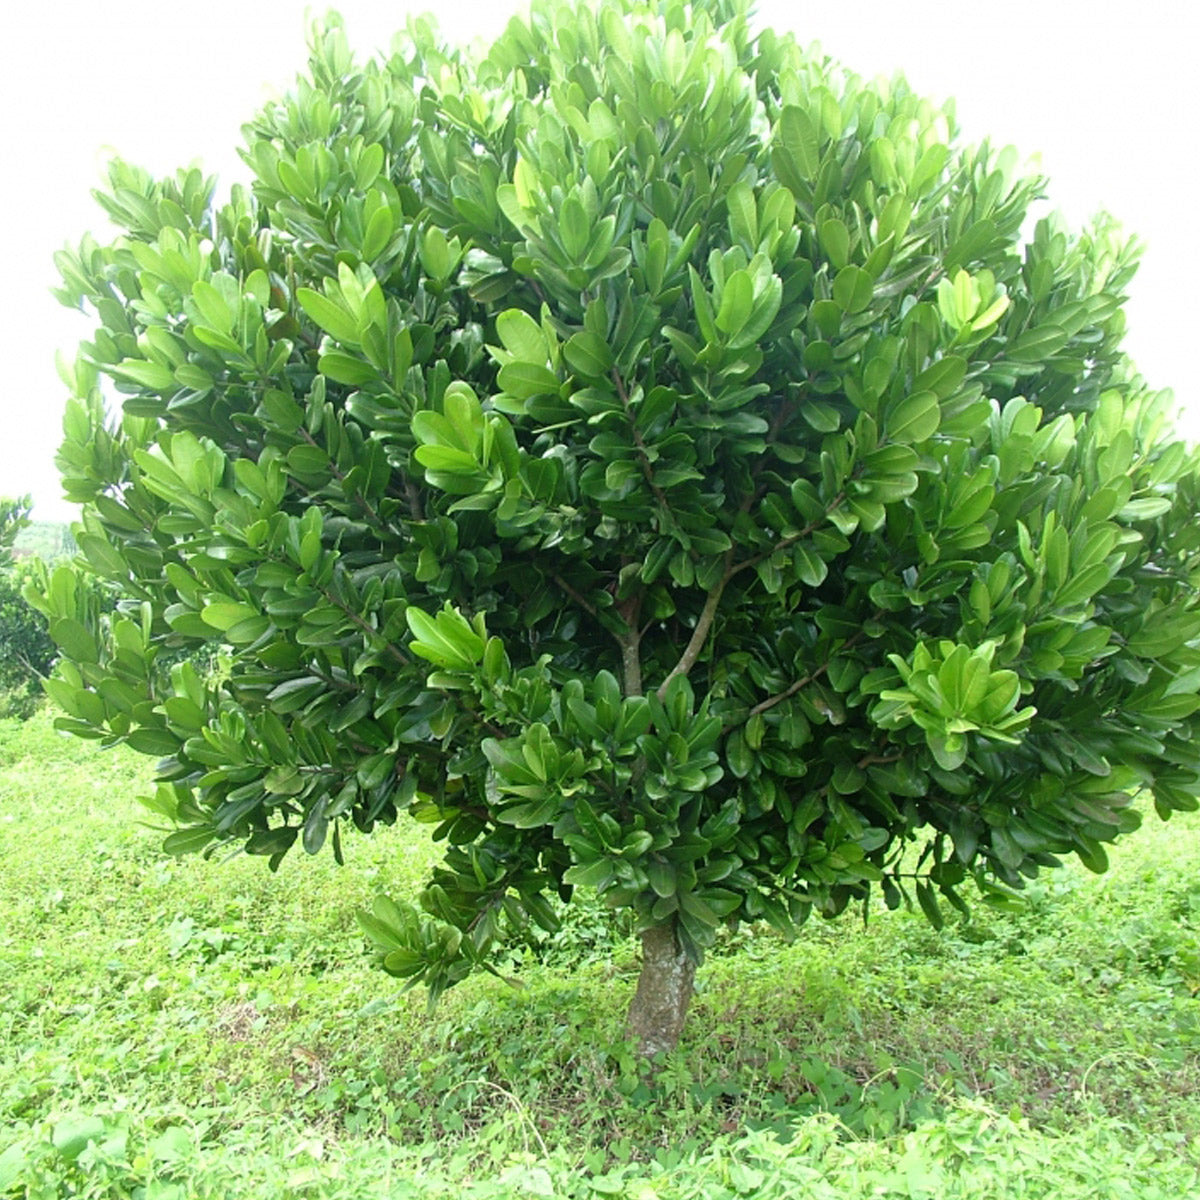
(51, 541)
(180, 1028)
(26, 651)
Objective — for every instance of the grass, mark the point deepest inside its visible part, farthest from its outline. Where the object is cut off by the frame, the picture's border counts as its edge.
(177, 1028)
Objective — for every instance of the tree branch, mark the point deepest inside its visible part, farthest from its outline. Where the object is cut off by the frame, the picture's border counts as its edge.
(643, 457)
(765, 705)
(363, 502)
(631, 654)
(691, 652)
(29, 666)
(791, 539)
(707, 615)
(792, 688)
(367, 627)
(583, 602)
(414, 500)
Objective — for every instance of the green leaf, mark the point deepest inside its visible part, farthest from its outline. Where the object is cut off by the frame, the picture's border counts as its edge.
(526, 380)
(533, 815)
(588, 354)
(188, 841)
(827, 316)
(662, 878)
(592, 875)
(835, 241)
(212, 307)
(913, 418)
(378, 234)
(307, 460)
(943, 377)
(436, 259)
(573, 228)
(927, 898)
(811, 568)
(344, 368)
(743, 215)
(522, 336)
(222, 614)
(767, 303)
(853, 289)
(374, 769)
(698, 909)
(1036, 345)
(152, 375)
(738, 755)
(798, 138)
(1160, 636)
(75, 640)
(1150, 508)
(156, 742)
(737, 302)
(331, 317)
(447, 640)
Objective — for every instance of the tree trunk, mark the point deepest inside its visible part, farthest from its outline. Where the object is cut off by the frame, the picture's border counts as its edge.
(664, 990)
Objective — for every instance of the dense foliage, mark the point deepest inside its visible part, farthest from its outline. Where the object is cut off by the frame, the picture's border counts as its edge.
(649, 454)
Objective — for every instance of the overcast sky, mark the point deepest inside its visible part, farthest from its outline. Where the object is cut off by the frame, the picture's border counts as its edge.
(1105, 93)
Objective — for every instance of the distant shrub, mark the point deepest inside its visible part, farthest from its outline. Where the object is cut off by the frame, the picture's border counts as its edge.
(14, 516)
(26, 651)
(51, 541)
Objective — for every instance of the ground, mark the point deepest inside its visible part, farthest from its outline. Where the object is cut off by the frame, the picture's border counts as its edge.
(191, 1028)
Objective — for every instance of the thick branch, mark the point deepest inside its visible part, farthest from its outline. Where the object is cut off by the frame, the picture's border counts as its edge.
(691, 652)
(631, 665)
(414, 500)
(583, 602)
(631, 646)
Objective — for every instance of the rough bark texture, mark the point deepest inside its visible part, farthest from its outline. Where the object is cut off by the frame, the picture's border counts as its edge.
(664, 990)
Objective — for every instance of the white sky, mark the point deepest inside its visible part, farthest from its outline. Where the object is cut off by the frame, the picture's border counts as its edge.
(1107, 93)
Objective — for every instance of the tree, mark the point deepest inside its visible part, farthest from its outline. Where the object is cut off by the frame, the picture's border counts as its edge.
(653, 457)
(14, 516)
(26, 651)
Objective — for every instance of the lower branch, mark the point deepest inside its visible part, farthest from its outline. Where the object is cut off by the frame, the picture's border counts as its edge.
(763, 705)
(691, 651)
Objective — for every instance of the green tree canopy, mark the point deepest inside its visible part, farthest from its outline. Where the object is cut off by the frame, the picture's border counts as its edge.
(654, 457)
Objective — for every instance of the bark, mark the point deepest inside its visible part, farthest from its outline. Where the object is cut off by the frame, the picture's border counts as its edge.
(664, 990)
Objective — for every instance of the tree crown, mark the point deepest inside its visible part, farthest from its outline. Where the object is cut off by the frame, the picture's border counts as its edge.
(649, 454)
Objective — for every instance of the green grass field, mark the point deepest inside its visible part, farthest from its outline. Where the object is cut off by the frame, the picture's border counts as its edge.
(181, 1028)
